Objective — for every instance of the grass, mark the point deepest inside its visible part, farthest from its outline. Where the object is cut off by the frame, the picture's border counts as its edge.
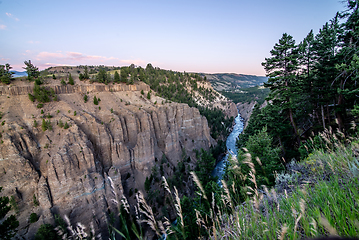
(322, 199)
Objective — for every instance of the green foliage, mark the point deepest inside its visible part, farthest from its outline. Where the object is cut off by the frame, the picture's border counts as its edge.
(42, 94)
(217, 121)
(46, 125)
(147, 184)
(53, 76)
(85, 98)
(40, 105)
(124, 74)
(355, 111)
(33, 218)
(102, 76)
(35, 201)
(66, 126)
(61, 124)
(46, 232)
(75, 113)
(5, 74)
(149, 95)
(32, 71)
(205, 165)
(7, 225)
(265, 158)
(71, 80)
(95, 100)
(85, 75)
(116, 77)
(63, 82)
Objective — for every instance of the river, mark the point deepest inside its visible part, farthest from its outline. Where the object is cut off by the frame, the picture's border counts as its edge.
(231, 148)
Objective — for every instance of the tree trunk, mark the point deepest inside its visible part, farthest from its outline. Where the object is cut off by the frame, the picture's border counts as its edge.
(339, 114)
(323, 118)
(294, 126)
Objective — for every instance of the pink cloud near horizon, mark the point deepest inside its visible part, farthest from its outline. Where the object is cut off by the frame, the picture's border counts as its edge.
(48, 59)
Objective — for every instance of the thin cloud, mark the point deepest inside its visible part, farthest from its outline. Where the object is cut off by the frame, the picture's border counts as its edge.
(33, 42)
(47, 59)
(12, 16)
(72, 56)
(137, 62)
(2, 27)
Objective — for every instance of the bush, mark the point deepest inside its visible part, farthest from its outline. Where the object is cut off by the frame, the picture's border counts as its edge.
(95, 100)
(71, 80)
(85, 98)
(46, 232)
(33, 218)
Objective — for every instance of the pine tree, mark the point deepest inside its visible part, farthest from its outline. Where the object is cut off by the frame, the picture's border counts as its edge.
(324, 88)
(71, 80)
(116, 77)
(124, 75)
(5, 74)
(32, 71)
(281, 69)
(7, 226)
(95, 101)
(86, 73)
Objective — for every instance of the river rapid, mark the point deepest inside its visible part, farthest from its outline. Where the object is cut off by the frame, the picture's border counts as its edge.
(231, 148)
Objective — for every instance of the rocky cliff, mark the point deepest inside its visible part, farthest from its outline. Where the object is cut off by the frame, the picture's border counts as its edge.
(107, 150)
(246, 109)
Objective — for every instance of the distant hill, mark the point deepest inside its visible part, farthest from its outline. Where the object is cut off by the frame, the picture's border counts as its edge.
(233, 81)
(19, 74)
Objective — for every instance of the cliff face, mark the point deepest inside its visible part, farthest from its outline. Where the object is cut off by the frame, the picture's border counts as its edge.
(246, 109)
(108, 149)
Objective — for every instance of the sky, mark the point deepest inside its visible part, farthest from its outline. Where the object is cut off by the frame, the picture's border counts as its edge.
(210, 36)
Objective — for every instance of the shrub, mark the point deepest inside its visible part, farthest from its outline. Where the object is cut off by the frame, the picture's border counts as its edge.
(33, 218)
(95, 101)
(71, 80)
(46, 232)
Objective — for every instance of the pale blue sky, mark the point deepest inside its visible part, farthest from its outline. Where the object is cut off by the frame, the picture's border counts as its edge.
(183, 35)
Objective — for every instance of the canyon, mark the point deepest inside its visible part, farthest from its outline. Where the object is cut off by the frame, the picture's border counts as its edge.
(107, 152)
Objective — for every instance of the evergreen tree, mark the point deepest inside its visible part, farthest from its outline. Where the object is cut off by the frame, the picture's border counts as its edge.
(116, 77)
(71, 80)
(32, 71)
(102, 76)
(86, 73)
(124, 74)
(7, 226)
(95, 100)
(281, 69)
(5, 74)
(324, 88)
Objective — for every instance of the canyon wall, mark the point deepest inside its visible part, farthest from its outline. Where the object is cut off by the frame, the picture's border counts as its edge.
(108, 150)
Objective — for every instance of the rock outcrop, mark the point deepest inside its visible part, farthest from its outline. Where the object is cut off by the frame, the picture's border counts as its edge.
(84, 170)
(246, 109)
